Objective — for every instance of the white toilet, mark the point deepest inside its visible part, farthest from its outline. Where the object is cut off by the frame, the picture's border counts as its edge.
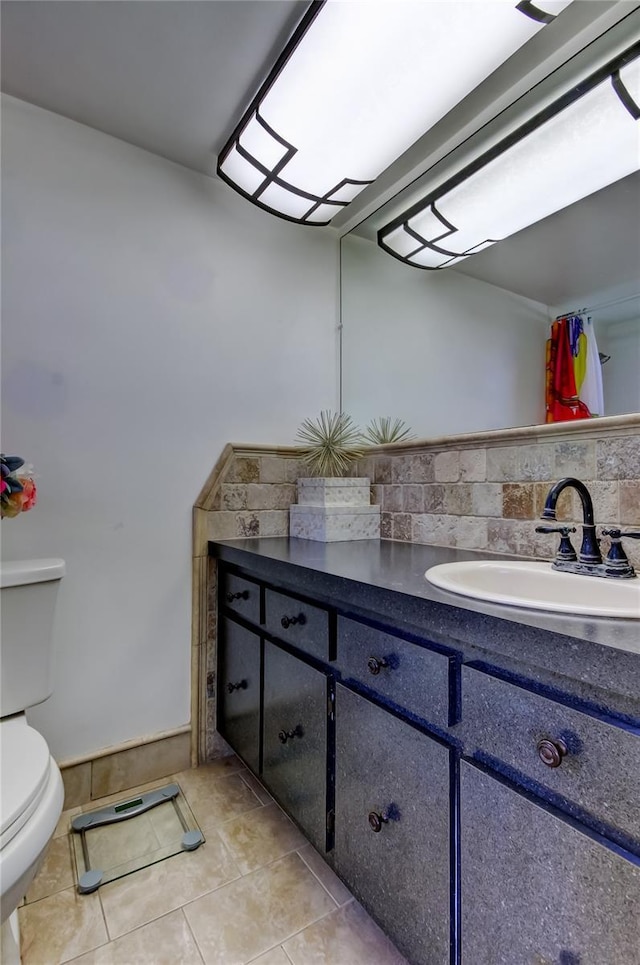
(31, 791)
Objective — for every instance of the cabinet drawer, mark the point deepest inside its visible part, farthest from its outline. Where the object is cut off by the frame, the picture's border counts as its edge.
(240, 595)
(600, 769)
(299, 623)
(410, 676)
(392, 825)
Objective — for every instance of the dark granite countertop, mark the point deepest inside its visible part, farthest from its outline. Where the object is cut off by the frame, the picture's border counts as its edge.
(597, 659)
(400, 567)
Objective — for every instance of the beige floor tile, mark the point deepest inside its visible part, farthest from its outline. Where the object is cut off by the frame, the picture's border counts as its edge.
(239, 922)
(347, 937)
(56, 873)
(220, 767)
(65, 820)
(275, 956)
(155, 891)
(166, 941)
(258, 789)
(214, 798)
(61, 927)
(339, 892)
(260, 836)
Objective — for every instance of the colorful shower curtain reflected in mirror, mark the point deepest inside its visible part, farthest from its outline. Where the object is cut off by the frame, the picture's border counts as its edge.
(573, 370)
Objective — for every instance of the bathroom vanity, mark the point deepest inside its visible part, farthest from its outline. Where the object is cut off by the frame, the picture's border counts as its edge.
(471, 771)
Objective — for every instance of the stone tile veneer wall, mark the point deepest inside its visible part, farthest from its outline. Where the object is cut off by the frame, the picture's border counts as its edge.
(248, 493)
(482, 491)
(477, 493)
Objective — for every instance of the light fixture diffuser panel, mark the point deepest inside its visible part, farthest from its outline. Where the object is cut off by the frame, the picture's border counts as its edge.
(584, 145)
(237, 169)
(360, 82)
(259, 143)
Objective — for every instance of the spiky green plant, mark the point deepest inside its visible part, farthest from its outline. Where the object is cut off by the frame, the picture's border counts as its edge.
(330, 444)
(382, 431)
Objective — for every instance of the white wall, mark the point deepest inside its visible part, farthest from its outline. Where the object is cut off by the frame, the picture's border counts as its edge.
(149, 316)
(620, 374)
(443, 351)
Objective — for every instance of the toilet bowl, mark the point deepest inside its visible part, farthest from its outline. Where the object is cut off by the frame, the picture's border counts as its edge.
(31, 790)
(31, 796)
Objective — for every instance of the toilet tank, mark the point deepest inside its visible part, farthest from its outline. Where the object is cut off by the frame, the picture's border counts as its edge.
(28, 591)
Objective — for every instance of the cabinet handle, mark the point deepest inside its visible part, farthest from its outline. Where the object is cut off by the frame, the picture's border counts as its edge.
(291, 621)
(286, 735)
(551, 752)
(241, 685)
(376, 820)
(240, 595)
(375, 665)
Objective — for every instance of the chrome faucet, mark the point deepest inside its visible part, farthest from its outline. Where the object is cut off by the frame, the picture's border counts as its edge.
(589, 560)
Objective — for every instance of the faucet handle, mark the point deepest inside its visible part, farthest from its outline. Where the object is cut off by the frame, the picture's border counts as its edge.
(566, 553)
(616, 562)
(564, 530)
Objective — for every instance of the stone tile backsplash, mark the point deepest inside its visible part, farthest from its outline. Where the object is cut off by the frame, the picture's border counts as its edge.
(492, 498)
(484, 491)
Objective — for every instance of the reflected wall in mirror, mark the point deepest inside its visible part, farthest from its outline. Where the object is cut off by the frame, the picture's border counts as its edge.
(463, 349)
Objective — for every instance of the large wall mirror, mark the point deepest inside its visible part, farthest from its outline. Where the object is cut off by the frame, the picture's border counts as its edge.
(463, 349)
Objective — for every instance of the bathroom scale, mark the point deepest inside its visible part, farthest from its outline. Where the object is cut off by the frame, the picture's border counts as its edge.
(133, 833)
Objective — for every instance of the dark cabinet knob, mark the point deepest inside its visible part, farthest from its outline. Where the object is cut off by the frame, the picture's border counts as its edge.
(551, 752)
(240, 595)
(376, 820)
(292, 621)
(241, 685)
(375, 665)
(285, 735)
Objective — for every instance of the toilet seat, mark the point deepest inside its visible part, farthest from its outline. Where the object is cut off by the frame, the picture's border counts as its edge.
(25, 761)
(31, 798)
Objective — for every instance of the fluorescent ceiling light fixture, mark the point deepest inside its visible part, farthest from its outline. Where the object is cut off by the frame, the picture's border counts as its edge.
(357, 84)
(584, 141)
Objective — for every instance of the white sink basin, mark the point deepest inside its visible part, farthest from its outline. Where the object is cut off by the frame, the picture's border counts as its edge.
(537, 586)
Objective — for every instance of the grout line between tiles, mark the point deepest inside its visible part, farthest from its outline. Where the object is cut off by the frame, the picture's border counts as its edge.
(320, 882)
(252, 871)
(104, 916)
(266, 952)
(310, 923)
(242, 814)
(54, 894)
(192, 933)
(286, 955)
(70, 961)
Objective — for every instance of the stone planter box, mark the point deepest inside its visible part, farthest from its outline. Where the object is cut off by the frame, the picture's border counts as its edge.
(334, 510)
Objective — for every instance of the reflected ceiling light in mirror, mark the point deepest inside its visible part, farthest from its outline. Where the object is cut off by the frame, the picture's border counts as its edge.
(357, 84)
(584, 141)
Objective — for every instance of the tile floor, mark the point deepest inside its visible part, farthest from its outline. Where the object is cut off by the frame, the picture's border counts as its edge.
(256, 892)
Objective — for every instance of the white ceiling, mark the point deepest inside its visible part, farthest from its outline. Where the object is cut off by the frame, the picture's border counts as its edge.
(171, 76)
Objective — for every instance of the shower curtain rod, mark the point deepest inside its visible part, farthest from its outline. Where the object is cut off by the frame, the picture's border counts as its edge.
(597, 308)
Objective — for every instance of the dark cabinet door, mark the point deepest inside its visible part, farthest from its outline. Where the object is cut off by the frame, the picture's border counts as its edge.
(392, 826)
(239, 691)
(295, 740)
(535, 889)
